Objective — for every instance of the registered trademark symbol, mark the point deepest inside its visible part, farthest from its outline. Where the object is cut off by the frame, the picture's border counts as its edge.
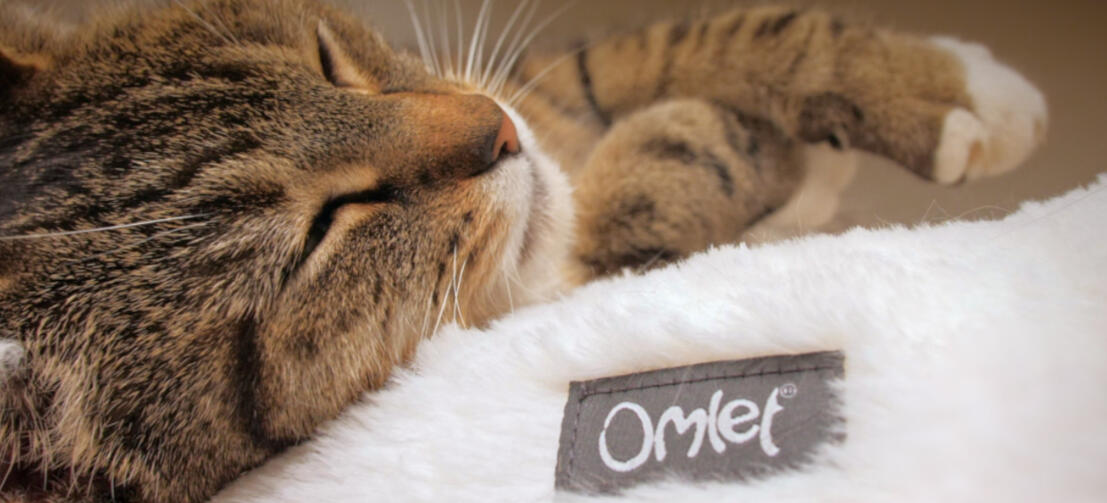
(788, 390)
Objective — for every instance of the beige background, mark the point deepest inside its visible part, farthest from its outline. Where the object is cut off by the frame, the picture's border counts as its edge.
(1058, 45)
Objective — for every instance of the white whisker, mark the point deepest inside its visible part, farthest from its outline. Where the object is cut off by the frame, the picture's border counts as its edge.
(102, 229)
(457, 293)
(454, 284)
(441, 311)
(444, 32)
(529, 86)
(530, 291)
(203, 22)
(426, 315)
(538, 29)
(480, 46)
(226, 31)
(500, 41)
(143, 241)
(510, 298)
(513, 51)
(420, 37)
(473, 40)
(432, 42)
(460, 38)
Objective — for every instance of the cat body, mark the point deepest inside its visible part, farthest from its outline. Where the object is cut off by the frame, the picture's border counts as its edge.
(224, 221)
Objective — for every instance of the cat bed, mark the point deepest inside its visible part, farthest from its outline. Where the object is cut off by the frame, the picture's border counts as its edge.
(972, 357)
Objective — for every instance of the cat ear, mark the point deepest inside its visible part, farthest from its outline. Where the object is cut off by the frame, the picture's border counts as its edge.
(16, 69)
(338, 67)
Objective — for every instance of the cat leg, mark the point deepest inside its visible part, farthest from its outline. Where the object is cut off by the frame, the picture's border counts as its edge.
(827, 173)
(1006, 121)
(945, 110)
(992, 126)
(675, 178)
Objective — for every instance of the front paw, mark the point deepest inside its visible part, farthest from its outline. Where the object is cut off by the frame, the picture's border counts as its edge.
(1007, 122)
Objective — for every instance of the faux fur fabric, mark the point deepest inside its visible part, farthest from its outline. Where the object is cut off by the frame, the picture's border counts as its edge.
(976, 362)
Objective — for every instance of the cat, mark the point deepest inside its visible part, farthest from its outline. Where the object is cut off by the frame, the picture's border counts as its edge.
(223, 221)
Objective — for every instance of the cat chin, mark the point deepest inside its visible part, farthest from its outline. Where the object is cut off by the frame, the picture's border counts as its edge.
(533, 191)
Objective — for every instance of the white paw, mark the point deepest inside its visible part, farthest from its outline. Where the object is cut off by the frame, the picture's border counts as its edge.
(961, 148)
(1007, 123)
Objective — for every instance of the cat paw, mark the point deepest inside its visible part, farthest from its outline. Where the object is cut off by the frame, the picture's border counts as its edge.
(1007, 122)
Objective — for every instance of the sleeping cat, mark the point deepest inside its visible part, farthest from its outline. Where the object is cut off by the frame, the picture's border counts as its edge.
(223, 221)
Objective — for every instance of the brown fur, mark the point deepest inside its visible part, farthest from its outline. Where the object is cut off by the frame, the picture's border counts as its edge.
(799, 75)
(165, 359)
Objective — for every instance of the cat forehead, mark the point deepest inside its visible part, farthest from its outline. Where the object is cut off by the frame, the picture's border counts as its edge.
(183, 31)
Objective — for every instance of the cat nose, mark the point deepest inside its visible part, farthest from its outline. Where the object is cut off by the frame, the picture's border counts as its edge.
(507, 141)
(450, 136)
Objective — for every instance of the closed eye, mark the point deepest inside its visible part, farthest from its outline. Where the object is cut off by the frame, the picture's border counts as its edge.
(323, 220)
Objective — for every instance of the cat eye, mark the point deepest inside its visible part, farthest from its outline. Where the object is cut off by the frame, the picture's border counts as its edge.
(337, 65)
(321, 224)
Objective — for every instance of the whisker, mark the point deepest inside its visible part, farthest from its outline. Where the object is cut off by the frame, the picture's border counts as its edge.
(510, 298)
(444, 31)
(141, 242)
(203, 22)
(518, 281)
(510, 56)
(500, 41)
(226, 30)
(432, 43)
(426, 315)
(457, 293)
(102, 229)
(438, 321)
(460, 37)
(420, 38)
(473, 40)
(445, 297)
(530, 85)
(538, 29)
(483, 39)
(991, 207)
(649, 263)
(454, 283)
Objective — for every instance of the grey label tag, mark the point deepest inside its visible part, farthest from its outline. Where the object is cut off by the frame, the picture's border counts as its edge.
(714, 421)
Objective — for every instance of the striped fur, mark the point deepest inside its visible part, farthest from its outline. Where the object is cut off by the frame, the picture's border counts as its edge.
(203, 334)
(227, 310)
(788, 78)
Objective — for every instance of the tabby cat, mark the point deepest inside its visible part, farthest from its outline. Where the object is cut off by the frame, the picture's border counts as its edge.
(223, 221)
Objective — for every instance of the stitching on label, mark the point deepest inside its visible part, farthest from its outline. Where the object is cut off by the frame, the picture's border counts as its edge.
(586, 393)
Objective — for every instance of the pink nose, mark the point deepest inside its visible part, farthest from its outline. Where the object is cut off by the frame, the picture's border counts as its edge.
(507, 140)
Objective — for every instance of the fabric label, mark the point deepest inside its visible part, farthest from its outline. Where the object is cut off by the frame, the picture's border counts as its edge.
(719, 421)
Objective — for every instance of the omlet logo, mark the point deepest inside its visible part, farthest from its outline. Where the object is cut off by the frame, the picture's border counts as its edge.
(715, 421)
(737, 422)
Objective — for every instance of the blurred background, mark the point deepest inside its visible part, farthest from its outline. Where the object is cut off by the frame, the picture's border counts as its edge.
(1058, 45)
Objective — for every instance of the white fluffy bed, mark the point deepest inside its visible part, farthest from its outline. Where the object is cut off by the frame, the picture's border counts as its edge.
(976, 368)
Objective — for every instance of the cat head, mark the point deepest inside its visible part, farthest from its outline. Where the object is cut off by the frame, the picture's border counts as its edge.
(249, 208)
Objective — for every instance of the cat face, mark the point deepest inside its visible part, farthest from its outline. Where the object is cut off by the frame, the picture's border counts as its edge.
(291, 207)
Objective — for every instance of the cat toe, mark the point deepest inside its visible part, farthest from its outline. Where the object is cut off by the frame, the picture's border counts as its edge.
(961, 148)
(1007, 122)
